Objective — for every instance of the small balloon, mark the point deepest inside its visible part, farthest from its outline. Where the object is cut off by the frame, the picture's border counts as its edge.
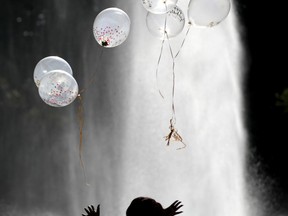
(159, 6)
(48, 64)
(172, 23)
(111, 27)
(58, 88)
(208, 13)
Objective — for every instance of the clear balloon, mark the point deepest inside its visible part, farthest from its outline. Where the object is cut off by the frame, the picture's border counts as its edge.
(172, 22)
(159, 6)
(208, 13)
(58, 88)
(111, 27)
(48, 64)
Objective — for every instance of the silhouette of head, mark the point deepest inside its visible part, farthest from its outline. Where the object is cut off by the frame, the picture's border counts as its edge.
(144, 206)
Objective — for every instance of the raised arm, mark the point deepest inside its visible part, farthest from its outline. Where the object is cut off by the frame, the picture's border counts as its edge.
(90, 210)
(173, 209)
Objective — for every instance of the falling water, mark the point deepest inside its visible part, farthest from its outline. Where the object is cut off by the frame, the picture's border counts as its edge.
(125, 152)
(125, 120)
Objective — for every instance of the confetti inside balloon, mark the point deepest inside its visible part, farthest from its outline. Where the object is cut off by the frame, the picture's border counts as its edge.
(172, 22)
(111, 27)
(208, 13)
(48, 64)
(58, 88)
(159, 6)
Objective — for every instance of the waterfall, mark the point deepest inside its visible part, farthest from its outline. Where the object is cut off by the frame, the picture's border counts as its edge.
(124, 152)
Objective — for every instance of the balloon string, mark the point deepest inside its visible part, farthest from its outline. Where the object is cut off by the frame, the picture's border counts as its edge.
(160, 55)
(81, 125)
(173, 134)
(81, 118)
(174, 83)
(157, 68)
(173, 118)
(182, 44)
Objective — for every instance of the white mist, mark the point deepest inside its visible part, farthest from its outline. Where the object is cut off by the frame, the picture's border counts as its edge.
(124, 150)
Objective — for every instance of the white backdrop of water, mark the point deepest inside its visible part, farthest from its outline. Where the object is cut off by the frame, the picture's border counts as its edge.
(125, 152)
(125, 120)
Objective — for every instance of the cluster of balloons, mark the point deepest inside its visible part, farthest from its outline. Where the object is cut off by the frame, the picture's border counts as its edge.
(54, 78)
(53, 75)
(166, 19)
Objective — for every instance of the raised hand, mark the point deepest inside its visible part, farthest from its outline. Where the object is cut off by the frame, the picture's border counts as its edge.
(90, 210)
(173, 209)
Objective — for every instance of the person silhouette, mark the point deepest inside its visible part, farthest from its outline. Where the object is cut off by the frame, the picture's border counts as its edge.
(143, 206)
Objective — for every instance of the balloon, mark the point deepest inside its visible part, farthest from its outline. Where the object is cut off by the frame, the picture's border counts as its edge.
(111, 27)
(48, 64)
(208, 13)
(58, 88)
(159, 6)
(175, 21)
